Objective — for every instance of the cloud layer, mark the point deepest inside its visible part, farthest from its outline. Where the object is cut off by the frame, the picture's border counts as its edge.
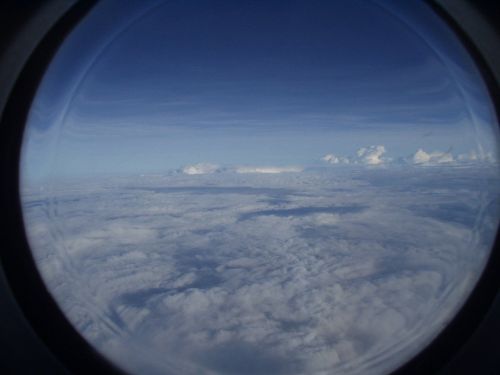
(282, 273)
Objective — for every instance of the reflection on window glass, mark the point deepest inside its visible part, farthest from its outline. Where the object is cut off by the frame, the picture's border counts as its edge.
(261, 187)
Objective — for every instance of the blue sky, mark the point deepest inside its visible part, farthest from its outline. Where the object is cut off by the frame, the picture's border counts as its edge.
(167, 84)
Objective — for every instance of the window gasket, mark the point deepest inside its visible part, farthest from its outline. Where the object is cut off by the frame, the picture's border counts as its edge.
(32, 47)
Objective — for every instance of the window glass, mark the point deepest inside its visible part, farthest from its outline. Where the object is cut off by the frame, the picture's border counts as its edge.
(261, 187)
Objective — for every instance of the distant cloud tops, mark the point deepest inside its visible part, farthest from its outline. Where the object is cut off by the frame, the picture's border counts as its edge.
(371, 155)
(422, 157)
(268, 170)
(332, 159)
(200, 168)
(374, 155)
(208, 168)
(435, 157)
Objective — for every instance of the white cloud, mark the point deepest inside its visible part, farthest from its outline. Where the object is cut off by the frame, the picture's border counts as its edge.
(491, 157)
(269, 170)
(432, 158)
(200, 168)
(175, 282)
(473, 156)
(372, 155)
(333, 159)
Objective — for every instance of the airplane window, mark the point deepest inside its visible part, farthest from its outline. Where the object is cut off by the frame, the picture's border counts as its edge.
(261, 187)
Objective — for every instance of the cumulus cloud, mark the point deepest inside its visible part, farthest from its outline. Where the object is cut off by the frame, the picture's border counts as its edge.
(371, 155)
(200, 168)
(333, 159)
(432, 158)
(269, 170)
(375, 155)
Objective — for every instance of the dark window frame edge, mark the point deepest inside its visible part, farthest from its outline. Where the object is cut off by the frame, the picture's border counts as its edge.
(23, 65)
(432, 359)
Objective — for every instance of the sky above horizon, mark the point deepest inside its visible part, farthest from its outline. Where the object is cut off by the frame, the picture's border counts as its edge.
(170, 84)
